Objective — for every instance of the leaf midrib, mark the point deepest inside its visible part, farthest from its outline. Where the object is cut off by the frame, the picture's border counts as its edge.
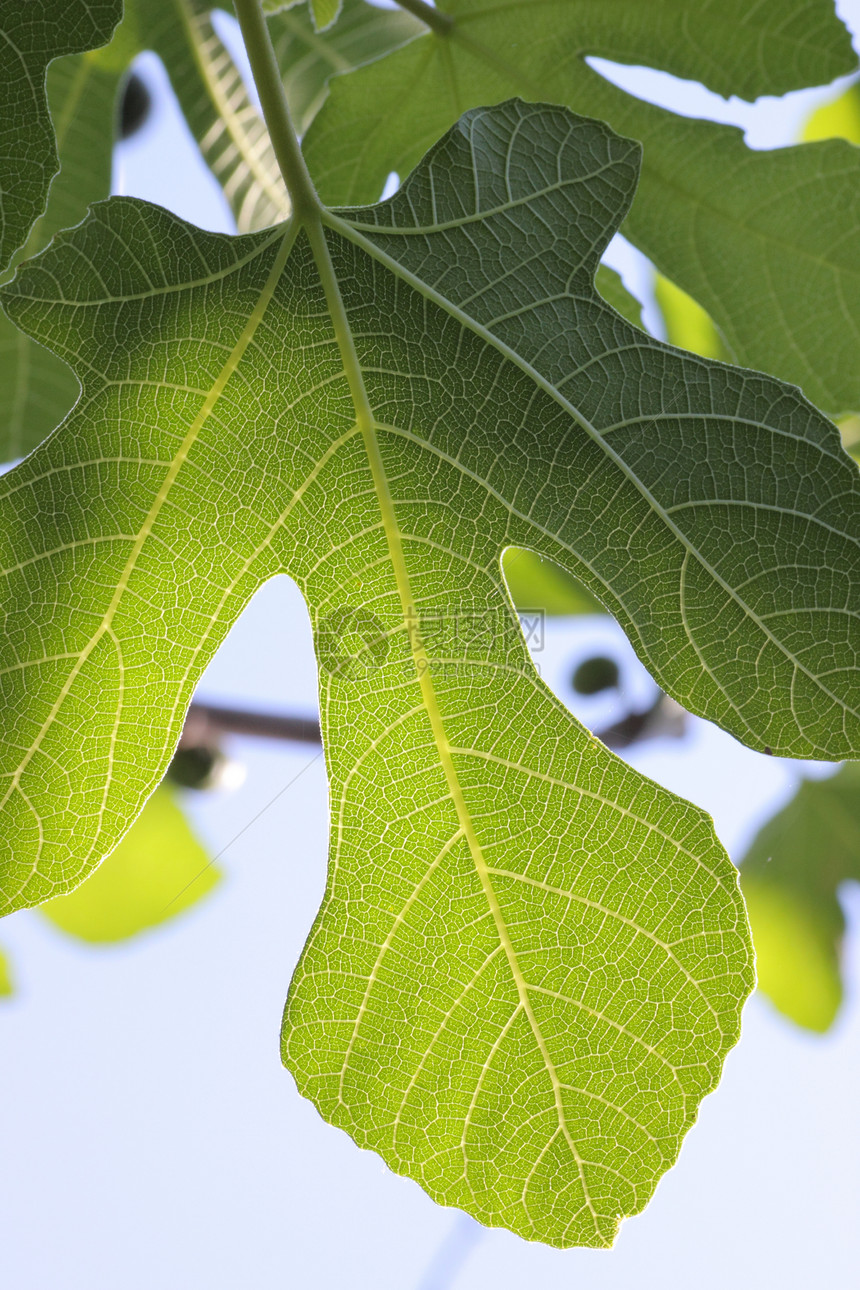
(369, 426)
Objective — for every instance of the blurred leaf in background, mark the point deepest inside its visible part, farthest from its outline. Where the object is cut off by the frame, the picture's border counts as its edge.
(7, 985)
(838, 119)
(686, 323)
(791, 877)
(537, 583)
(158, 870)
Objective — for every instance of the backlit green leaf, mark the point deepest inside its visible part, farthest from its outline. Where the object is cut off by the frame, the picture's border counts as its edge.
(157, 871)
(530, 960)
(325, 12)
(767, 242)
(791, 878)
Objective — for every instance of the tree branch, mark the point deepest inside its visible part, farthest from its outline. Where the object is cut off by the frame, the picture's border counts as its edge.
(207, 722)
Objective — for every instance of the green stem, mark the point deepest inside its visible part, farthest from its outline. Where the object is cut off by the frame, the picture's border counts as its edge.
(308, 210)
(437, 21)
(267, 77)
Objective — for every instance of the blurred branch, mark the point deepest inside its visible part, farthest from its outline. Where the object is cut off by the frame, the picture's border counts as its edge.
(664, 718)
(206, 722)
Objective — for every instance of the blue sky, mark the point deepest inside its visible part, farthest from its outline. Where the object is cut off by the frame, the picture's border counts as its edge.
(152, 1137)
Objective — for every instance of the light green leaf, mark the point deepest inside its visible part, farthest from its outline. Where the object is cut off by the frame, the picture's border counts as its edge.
(157, 871)
(767, 243)
(514, 918)
(839, 119)
(535, 582)
(325, 12)
(687, 325)
(32, 34)
(7, 985)
(791, 878)
(849, 428)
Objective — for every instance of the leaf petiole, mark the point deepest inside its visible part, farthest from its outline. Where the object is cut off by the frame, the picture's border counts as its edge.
(267, 78)
(437, 21)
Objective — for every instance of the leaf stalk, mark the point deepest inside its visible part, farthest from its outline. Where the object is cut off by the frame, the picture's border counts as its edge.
(267, 77)
(437, 21)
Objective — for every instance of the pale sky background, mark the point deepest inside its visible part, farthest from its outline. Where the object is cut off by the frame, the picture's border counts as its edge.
(150, 1135)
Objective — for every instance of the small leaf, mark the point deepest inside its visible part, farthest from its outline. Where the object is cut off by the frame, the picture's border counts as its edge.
(687, 325)
(32, 34)
(849, 428)
(614, 292)
(135, 107)
(325, 12)
(791, 878)
(7, 985)
(534, 582)
(593, 675)
(157, 871)
(839, 119)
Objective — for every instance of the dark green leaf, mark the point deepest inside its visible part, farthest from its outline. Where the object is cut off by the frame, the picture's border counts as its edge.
(767, 243)
(614, 292)
(32, 34)
(595, 674)
(38, 389)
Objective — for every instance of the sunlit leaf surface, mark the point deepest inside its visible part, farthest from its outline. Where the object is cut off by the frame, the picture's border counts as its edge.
(514, 918)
